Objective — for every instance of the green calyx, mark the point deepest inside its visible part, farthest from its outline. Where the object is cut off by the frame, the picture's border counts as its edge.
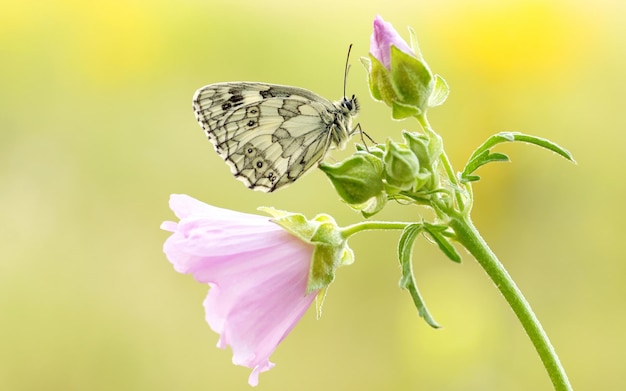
(330, 246)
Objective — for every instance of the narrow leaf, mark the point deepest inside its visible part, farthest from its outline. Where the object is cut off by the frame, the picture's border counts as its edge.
(482, 155)
(405, 247)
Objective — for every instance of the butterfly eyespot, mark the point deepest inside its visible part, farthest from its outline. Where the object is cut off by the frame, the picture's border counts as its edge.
(226, 106)
(251, 123)
(249, 150)
(258, 163)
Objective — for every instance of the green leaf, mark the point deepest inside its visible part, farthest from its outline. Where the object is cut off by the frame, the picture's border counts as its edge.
(405, 247)
(482, 155)
(439, 234)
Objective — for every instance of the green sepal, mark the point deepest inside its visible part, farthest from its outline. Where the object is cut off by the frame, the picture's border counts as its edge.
(347, 259)
(400, 110)
(324, 262)
(407, 281)
(331, 251)
(319, 301)
(294, 223)
(373, 206)
(440, 92)
(413, 82)
(380, 83)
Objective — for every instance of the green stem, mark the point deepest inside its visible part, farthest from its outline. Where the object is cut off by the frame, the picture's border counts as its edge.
(469, 237)
(372, 225)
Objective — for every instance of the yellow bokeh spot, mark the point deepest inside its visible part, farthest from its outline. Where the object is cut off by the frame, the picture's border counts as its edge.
(518, 37)
(102, 42)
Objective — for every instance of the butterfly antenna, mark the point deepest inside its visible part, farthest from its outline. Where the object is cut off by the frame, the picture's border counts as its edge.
(345, 75)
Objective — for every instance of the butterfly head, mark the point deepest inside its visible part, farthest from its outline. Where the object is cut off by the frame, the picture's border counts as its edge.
(350, 107)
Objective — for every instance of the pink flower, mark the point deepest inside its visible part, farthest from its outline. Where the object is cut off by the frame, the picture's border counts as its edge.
(383, 36)
(257, 273)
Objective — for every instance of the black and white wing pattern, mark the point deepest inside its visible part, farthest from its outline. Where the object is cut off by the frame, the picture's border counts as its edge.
(270, 135)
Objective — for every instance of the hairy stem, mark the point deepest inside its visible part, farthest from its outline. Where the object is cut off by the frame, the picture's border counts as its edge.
(469, 237)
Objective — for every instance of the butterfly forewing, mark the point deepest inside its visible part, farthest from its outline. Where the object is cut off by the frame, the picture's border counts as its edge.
(268, 134)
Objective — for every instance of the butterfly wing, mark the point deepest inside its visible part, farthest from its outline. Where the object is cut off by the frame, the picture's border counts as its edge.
(269, 135)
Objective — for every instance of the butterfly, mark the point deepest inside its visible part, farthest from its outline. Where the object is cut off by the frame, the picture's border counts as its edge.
(270, 135)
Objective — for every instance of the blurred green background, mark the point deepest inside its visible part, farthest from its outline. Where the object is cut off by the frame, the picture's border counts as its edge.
(96, 130)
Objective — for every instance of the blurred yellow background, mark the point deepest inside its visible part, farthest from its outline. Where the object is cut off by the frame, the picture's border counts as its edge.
(96, 130)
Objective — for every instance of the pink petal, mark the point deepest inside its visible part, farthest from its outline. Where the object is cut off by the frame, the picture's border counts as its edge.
(383, 36)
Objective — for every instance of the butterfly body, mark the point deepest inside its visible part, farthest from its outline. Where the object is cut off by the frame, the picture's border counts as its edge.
(270, 134)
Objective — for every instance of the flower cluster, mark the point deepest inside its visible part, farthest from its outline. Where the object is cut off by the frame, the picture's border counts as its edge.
(391, 171)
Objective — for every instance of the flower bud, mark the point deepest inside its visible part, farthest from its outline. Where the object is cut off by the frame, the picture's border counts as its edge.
(397, 74)
(356, 179)
(401, 166)
(427, 149)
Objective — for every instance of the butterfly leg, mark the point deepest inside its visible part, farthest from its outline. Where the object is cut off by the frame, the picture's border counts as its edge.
(362, 133)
